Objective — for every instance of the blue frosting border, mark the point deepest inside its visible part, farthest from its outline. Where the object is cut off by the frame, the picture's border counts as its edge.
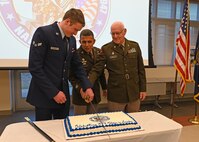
(104, 132)
(65, 125)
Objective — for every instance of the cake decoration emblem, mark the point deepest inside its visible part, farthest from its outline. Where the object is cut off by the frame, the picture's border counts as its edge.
(101, 118)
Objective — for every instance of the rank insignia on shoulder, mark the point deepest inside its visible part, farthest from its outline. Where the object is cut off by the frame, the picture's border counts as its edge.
(37, 44)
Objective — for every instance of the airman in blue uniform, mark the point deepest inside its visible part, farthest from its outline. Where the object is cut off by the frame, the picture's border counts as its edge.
(52, 55)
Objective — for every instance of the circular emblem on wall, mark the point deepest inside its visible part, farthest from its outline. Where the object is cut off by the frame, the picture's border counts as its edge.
(23, 17)
(99, 118)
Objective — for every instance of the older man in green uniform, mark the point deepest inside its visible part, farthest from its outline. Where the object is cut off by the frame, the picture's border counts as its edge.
(124, 62)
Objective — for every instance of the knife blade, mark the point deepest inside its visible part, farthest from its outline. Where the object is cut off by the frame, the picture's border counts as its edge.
(39, 130)
(93, 107)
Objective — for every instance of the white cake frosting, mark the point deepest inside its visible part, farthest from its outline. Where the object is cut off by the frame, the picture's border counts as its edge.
(89, 124)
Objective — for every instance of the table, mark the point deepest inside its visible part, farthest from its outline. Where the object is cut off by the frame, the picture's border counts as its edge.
(156, 128)
(156, 87)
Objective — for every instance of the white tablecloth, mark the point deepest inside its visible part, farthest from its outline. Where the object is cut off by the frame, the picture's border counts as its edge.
(156, 128)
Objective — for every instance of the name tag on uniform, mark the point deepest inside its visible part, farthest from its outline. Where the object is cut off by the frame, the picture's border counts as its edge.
(54, 48)
(113, 56)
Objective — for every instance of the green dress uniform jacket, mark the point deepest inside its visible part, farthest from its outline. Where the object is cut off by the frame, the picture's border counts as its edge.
(126, 71)
(88, 62)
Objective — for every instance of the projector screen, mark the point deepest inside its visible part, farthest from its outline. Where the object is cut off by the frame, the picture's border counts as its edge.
(20, 18)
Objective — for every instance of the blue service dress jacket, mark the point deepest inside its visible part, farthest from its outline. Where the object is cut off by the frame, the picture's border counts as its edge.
(49, 65)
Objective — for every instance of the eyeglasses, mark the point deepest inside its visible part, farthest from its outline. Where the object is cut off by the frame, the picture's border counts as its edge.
(116, 33)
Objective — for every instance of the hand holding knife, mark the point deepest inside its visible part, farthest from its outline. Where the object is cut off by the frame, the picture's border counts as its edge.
(88, 95)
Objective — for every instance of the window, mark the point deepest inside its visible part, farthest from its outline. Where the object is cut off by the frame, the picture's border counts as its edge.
(165, 27)
(22, 80)
(194, 12)
(25, 82)
(164, 9)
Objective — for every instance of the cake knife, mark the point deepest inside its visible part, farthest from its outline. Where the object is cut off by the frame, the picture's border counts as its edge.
(39, 130)
(93, 107)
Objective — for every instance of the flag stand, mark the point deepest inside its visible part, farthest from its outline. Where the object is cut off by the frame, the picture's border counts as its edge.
(195, 120)
(174, 94)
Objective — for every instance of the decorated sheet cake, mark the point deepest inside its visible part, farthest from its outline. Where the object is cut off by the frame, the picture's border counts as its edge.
(101, 124)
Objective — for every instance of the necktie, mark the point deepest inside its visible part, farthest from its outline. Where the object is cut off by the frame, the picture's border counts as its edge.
(65, 40)
(65, 69)
(91, 54)
(122, 47)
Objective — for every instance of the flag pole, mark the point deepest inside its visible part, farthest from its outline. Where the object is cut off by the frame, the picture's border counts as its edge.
(174, 94)
(195, 120)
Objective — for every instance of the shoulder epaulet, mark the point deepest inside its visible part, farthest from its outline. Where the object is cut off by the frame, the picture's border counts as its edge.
(131, 41)
(79, 49)
(109, 43)
(95, 48)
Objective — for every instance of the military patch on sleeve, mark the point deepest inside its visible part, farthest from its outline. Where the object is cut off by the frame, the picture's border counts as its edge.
(36, 44)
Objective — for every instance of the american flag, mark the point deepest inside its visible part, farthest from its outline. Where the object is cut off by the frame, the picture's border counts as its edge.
(182, 59)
